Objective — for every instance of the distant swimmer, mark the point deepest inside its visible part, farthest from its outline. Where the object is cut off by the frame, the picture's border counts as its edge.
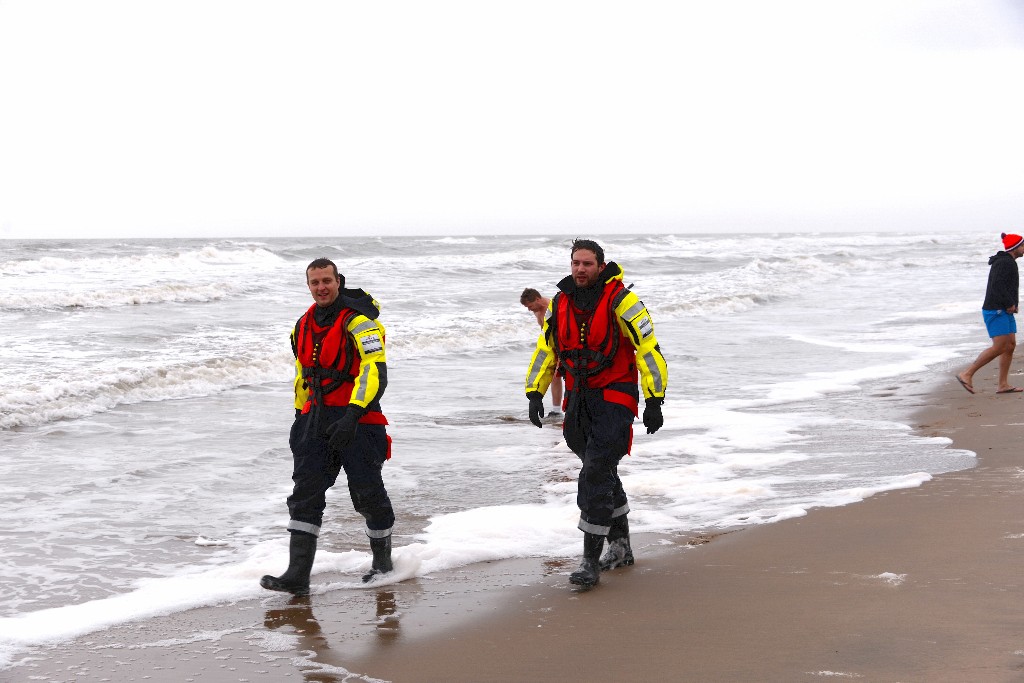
(538, 305)
(339, 348)
(1001, 299)
(604, 338)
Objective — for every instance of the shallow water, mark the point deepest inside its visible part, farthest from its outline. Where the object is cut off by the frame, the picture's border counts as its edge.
(145, 401)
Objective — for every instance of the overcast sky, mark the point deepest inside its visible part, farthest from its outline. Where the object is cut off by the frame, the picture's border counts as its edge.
(251, 118)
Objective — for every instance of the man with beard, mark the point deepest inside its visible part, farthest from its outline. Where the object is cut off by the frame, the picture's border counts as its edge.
(603, 336)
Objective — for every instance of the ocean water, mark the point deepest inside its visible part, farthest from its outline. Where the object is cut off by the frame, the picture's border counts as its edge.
(145, 401)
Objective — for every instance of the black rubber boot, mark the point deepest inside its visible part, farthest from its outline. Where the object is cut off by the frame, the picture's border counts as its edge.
(589, 572)
(619, 553)
(381, 548)
(295, 580)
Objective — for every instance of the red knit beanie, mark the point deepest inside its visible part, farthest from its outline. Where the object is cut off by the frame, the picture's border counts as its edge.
(1011, 242)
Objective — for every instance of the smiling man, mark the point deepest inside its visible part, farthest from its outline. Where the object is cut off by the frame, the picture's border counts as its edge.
(603, 336)
(339, 350)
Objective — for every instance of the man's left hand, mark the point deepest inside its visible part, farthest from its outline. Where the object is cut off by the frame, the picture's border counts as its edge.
(341, 432)
(653, 419)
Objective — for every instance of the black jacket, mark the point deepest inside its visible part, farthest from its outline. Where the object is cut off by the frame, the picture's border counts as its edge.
(1003, 280)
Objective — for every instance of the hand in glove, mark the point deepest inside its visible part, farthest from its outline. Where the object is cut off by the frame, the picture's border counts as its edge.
(341, 432)
(653, 419)
(536, 406)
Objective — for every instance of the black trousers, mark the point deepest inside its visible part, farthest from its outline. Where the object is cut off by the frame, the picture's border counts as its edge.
(599, 432)
(312, 475)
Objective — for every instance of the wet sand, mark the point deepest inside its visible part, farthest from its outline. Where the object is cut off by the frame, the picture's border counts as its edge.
(923, 584)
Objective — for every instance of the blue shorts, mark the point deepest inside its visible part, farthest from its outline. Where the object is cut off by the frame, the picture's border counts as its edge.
(999, 323)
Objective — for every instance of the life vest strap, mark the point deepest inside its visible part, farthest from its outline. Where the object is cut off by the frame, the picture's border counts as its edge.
(580, 359)
(318, 390)
(318, 374)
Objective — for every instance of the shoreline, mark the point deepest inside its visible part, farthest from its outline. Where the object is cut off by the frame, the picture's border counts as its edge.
(909, 584)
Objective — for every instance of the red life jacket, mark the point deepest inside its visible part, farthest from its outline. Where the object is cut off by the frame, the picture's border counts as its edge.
(592, 349)
(330, 362)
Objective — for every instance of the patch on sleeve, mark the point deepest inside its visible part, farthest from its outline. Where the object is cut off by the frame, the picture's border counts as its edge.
(645, 326)
(371, 344)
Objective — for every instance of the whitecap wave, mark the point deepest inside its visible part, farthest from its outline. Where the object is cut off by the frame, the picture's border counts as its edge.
(37, 403)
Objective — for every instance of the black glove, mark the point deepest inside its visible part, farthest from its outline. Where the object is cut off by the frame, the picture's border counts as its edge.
(536, 406)
(653, 419)
(341, 432)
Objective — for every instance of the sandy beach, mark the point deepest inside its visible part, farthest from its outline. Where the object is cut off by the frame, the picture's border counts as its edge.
(919, 584)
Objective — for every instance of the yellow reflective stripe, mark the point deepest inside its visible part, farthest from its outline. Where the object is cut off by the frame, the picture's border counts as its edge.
(368, 336)
(301, 393)
(359, 393)
(636, 323)
(628, 307)
(633, 311)
(657, 382)
(538, 363)
(364, 327)
(542, 365)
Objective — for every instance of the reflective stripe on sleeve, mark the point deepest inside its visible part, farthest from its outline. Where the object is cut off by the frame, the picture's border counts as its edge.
(364, 327)
(538, 363)
(659, 383)
(633, 311)
(363, 378)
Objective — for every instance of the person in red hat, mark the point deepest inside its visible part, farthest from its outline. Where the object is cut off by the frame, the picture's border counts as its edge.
(998, 309)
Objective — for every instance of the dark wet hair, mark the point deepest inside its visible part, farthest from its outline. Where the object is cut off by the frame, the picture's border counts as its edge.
(324, 263)
(529, 294)
(589, 245)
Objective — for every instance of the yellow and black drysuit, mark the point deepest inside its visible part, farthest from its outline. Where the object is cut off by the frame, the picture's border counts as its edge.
(341, 368)
(604, 338)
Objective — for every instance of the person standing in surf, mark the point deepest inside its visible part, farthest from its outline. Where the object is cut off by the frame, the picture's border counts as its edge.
(1001, 299)
(339, 349)
(538, 305)
(603, 336)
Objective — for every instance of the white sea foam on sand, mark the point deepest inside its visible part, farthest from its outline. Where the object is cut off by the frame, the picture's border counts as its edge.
(145, 403)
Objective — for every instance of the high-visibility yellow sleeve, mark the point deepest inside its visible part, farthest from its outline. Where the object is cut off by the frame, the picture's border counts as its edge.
(368, 336)
(543, 361)
(301, 392)
(636, 324)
